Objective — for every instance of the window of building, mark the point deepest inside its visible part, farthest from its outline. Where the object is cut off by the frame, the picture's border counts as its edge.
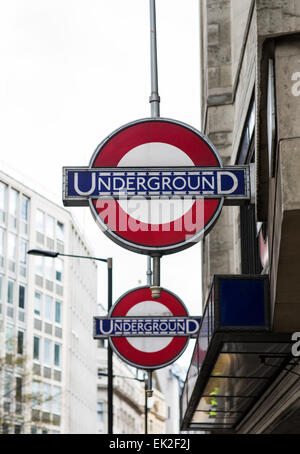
(39, 265)
(23, 252)
(23, 257)
(40, 221)
(59, 270)
(13, 208)
(2, 239)
(24, 214)
(60, 232)
(46, 397)
(47, 351)
(3, 196)
(21, 297)
(100, 411)
(35, 393)
(11, 251)
(37, 303)
(49, 268)
(1, 287)
(18, 429)
(56, 398)
(57, 355)
(20, 344)
(36, 347)
(8, 384)
(18, 389)
(58, 311)
(10, 292)
(50, 227)
(9, 338)
(48, 308)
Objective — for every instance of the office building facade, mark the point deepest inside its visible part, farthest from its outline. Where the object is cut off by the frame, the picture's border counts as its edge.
(48, 368)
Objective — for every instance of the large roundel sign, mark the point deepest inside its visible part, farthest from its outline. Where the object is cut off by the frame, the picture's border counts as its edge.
(155, 225)
(149, 352)
(155, 186)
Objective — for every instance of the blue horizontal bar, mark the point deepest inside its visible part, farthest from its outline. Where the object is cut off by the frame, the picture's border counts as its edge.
(191, 182)
(145, 326)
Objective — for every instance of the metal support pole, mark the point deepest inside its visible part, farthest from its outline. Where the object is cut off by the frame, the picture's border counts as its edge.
(149, 271)
(146, 405)
(154, 98)
(156, 289)
(109, 353)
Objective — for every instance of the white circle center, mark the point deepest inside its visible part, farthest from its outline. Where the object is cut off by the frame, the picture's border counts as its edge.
(156, 154)
(149, 309)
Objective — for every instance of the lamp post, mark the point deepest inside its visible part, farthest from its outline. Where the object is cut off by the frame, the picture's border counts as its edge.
(43, 253)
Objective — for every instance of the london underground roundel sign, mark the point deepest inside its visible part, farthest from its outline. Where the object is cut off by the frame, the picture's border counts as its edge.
(155, 225)
(149, 352)
(155, 186)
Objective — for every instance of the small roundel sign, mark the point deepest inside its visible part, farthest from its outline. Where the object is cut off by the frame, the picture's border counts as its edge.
(148, 352)
(160, 224)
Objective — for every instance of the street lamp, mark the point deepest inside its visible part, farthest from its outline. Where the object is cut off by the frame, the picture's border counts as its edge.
(43, 253)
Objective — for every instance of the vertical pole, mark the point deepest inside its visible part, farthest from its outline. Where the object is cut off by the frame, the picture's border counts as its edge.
(156, 271)
(154, 98)
(109, 353)
(149, 271)
(155, 113)
(146, 404)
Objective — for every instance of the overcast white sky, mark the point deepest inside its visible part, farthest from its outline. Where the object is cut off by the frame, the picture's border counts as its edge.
(73, 71)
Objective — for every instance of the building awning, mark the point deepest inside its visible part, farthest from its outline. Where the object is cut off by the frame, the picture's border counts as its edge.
(236, 356)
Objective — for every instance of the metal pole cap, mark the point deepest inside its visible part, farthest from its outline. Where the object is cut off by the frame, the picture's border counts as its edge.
(156, 291)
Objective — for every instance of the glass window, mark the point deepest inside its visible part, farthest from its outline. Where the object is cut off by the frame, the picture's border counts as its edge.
(39, 265)
(9, 338)
(3, 192)
(46, 397)
(35, 393)
(58, 311)
(48, 308)
(18, 429)
(37, 303)
(57, 355)
(60, 231)
(11, 246)
(8, 384)
(18, 389)
(10, 292)
(100, 411)
(50, 226)
(25, 208)
(1, 286)
(2, 233)
(23, 251)
(20, 342)
(36, 347)
(3, 189)
(56, 400)
(13, 207)
(49, 268)
(47, 351)
(40, 221)
(59, 270)
(21, 297)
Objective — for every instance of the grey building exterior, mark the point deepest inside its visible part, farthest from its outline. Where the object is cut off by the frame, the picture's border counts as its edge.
(250, 98)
